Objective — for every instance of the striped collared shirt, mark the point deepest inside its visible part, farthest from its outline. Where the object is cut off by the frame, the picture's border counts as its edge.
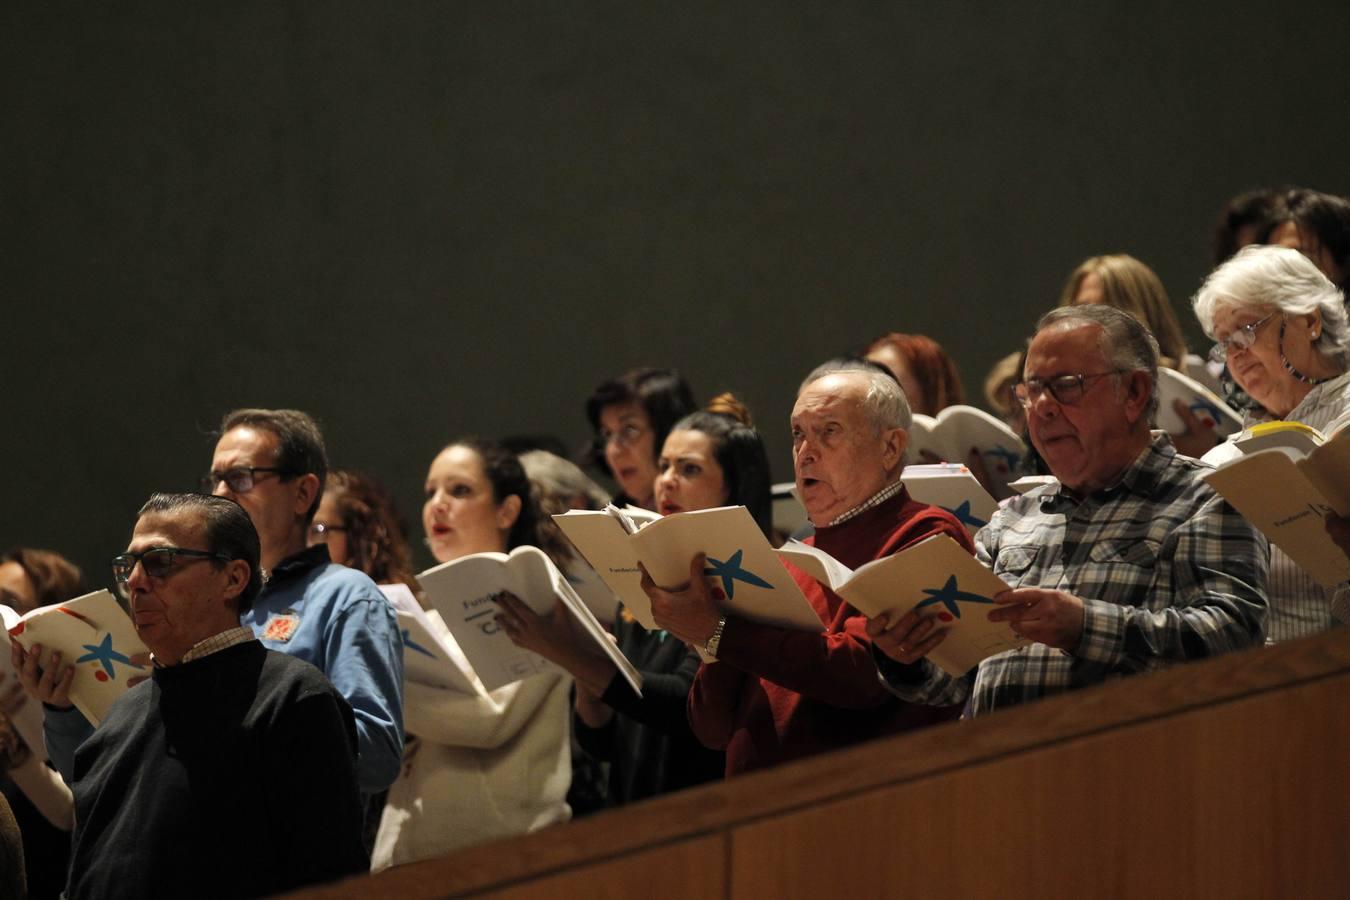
(1167, 572)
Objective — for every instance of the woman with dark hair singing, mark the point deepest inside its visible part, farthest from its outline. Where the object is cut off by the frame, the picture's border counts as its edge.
(485, 764)
(710, 458)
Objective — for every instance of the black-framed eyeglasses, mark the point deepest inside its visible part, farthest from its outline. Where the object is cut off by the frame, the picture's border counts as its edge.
(1066, 389)
(1242, 337)
(239, 479)
(319, 531)
(157, 562)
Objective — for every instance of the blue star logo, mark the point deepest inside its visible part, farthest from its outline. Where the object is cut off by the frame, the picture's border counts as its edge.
(964, 515)
(948, 595)
(730, 572)
(104, 653)
(414, 646)
(1010, 458)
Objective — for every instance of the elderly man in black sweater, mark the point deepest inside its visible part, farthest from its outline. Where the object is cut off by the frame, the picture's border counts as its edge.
(231, 772)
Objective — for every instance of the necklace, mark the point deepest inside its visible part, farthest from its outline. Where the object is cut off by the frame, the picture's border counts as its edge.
(1289, 367)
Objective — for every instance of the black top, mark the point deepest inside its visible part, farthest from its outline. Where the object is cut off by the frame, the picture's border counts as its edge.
(229, 776)
(648, 743)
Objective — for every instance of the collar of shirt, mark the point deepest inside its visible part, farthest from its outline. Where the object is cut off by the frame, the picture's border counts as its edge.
(217, 642)
(1140, 477)
(299, 563)
(876, 499)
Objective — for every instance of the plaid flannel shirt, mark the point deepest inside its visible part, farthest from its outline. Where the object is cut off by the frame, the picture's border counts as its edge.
(1167, 572)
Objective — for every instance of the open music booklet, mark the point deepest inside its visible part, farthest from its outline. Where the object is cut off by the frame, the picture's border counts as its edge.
(95, 636)
(936, 577)
(1200, 400)
(462, 591)
(1286, 490)
(756, 584)
(959, 429)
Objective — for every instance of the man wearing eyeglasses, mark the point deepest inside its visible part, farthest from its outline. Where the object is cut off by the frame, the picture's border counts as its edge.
(165, 796)
(273, 464)
(1128, 564)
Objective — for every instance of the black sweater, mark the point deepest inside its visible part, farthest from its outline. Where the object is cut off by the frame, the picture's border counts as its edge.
(229, 776)
(649, 744)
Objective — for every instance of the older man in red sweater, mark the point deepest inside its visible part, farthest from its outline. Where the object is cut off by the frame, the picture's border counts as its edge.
(776, 694)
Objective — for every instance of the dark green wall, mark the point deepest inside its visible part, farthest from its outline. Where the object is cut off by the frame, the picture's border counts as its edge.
(417, 220)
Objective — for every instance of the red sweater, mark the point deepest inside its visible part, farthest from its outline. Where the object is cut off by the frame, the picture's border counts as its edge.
(777, 694)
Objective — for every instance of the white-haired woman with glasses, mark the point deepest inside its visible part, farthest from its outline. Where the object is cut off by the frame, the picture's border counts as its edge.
(1281, 327)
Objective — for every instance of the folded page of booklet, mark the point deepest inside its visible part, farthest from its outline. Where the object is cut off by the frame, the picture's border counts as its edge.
(430, 654)
(952, 487)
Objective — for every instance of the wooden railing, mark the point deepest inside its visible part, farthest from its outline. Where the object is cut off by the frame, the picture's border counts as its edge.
(1227, 778)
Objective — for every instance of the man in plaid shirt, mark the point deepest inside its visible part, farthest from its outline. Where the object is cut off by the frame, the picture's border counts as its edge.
(1128, 564)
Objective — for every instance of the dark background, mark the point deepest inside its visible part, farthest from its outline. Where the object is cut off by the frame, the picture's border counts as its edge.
(418, 220)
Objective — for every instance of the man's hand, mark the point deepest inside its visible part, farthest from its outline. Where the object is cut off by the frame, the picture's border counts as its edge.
(1339, 529)
(689, 611)
(1053, 618)
(909, 640)
(50, 685)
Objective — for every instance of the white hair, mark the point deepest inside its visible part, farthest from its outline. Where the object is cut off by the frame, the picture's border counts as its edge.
(1285, 279)
(884, 401)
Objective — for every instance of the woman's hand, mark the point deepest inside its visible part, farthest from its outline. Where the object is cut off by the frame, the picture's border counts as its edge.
(556, 638)
(1198, 438)
(550, 636)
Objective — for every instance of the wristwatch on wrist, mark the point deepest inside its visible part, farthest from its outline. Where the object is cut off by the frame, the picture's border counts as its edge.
(710, 646)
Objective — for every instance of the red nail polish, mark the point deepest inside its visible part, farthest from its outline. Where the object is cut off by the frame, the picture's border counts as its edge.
(718, 594)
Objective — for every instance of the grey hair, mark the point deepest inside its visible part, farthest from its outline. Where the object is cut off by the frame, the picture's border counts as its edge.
(1125, 342)
(884, 402)
(557, 478)
(1285, 279)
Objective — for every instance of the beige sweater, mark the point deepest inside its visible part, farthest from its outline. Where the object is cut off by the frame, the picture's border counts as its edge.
(483, 766)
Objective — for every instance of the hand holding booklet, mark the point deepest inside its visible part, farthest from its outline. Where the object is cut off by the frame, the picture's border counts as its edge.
(93, 635)
(935, 577)
(756, 584)
(463, 592)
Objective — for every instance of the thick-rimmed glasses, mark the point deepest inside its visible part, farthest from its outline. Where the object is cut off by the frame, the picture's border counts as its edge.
(239, 479)
(1066, 389)
(157, 562)
(1242, 337)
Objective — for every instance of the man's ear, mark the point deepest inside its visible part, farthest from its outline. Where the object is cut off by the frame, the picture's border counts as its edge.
(236, 583)
(306, 492)
(1138, 389)
(508, 511)
(894, 441)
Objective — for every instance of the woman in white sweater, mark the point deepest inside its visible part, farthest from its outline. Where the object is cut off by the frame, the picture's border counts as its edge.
(478, 765)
